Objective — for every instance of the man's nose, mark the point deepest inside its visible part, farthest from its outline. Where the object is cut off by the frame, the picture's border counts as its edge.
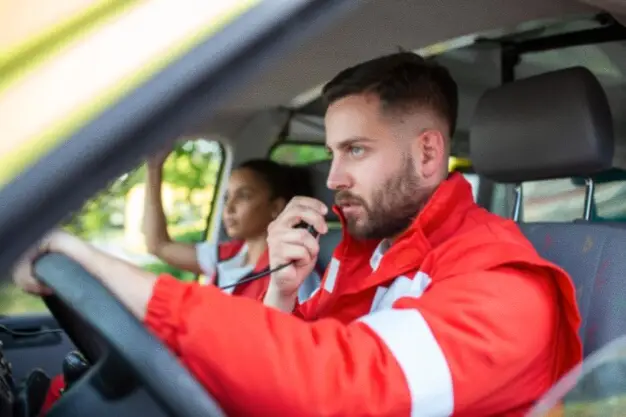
(338, 177)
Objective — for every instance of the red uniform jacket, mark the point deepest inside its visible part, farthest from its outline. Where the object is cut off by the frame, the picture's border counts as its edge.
(459, 316)
(254, 289)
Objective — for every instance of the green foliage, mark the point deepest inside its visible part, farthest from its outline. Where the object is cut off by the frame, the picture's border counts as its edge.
(159, 268)
(299, 154)
(191, 165)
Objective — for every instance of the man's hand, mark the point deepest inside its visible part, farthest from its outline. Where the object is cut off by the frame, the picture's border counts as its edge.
(23, 270)
(130, 284)
(287, 244)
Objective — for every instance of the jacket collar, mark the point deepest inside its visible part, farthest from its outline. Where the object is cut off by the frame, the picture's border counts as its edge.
(234, 248)
(436, 222)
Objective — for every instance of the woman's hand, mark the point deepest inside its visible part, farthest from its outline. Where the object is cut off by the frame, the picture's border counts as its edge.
(157, 160)
(23, 275)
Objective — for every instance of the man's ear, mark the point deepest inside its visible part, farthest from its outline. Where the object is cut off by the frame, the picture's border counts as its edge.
(432, 152)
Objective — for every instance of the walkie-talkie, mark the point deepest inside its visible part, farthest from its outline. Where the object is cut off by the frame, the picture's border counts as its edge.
(308, 227)
(303, 225)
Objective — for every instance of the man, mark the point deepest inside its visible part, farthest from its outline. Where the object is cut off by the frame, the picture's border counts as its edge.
(431, 306)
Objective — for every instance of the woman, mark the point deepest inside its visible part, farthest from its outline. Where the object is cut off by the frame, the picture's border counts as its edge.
(258, 190)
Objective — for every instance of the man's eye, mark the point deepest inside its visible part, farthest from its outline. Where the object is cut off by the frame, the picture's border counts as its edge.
(356, 151)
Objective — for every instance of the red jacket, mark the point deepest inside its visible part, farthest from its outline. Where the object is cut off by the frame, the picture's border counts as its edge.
(254, 289)
(460, 316)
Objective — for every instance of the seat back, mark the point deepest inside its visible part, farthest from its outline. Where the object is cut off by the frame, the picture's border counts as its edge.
(328, 242)
(593, 255)
(559, 125)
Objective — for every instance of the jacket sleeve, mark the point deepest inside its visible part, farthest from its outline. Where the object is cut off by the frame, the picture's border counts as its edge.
(464, 346)
(487, 341)
(258, 361)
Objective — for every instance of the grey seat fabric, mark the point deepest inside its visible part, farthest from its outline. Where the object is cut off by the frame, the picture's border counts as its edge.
(328, 242)
(595, 257)
(558, 125)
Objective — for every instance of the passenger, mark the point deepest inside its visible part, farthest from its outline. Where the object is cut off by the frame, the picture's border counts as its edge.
(257, 192)
(432, 306)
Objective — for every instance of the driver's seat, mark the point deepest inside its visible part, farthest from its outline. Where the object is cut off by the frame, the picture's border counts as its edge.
(559, 125)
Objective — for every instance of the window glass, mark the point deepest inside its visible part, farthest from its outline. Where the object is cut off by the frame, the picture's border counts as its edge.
(552, 201)
(113, 219)
(499, 204)
(299, 153)
(562, 200)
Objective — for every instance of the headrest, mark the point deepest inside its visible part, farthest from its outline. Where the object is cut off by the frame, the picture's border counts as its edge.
(549, 126)
(319, 174)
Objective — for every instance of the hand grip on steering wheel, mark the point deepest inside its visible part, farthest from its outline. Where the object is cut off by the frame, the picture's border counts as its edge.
(125, 337)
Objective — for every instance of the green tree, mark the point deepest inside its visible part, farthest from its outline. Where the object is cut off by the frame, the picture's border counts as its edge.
(299, 153)
(192, 165)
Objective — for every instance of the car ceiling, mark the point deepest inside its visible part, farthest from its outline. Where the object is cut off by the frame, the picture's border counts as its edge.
(376, 28)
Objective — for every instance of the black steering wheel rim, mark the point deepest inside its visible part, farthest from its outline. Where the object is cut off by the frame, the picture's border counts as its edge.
(163, 376)
(89, 344)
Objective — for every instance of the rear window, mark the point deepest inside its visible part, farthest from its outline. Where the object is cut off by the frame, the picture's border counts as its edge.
(299, 153)
(562, 200)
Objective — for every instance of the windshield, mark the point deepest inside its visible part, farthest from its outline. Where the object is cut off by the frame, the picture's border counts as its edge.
(596, 388)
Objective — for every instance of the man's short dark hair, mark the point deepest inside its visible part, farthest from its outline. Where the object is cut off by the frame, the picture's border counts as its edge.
(403, 81)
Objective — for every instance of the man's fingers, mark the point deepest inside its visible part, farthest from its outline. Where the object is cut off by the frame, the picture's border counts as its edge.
(309, 203)
(300, 237)
(23, 275)
(296, 253)
(289, 219)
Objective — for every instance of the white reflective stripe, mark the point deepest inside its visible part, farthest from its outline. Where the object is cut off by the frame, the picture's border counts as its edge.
(400, 287)
(421, 281)
(206, 254)
(410, 340)
(378, 296)
(378, 254)
(331, 276)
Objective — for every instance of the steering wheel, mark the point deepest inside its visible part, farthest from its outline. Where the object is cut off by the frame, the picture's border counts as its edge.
(124, 354)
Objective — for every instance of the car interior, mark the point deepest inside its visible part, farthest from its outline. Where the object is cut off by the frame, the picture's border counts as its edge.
(542, 93)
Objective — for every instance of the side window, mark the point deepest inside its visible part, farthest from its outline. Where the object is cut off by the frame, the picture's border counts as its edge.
(113, 219)
(563, 200)
(299, 153)
(610, 204)
(557, 200)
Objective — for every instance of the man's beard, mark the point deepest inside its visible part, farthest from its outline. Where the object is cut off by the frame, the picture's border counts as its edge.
(394, 205)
